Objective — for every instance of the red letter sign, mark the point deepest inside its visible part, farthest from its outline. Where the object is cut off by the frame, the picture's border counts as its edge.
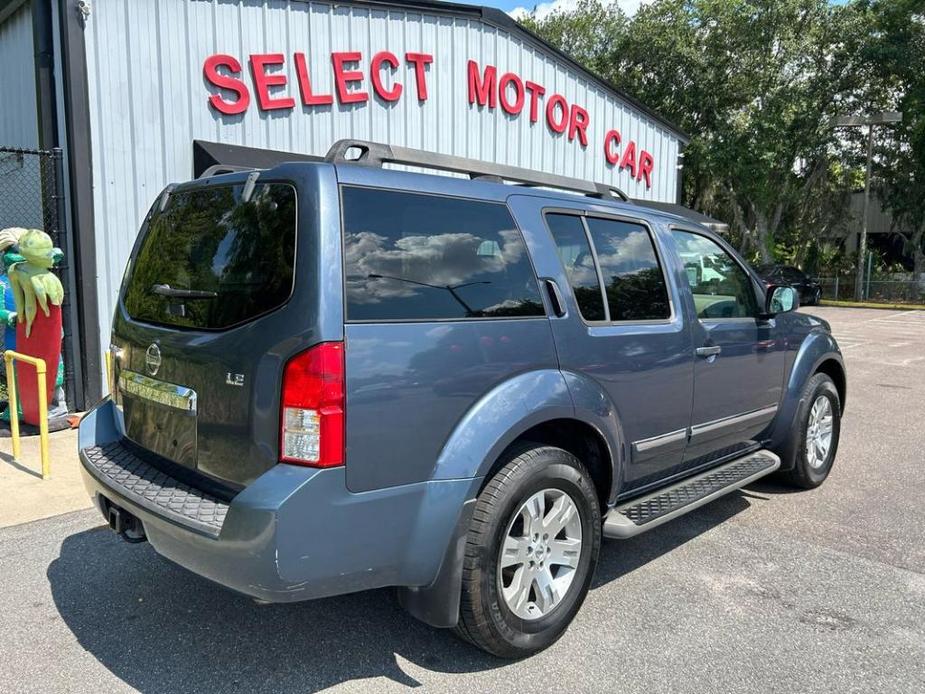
(482, 90)
(578, 125)
(305, 85)
(420, 62)
(343, 77)
(263, 82)
(629, 158)
(557, 126)
(210, 70)
(646, 162)
(536, 91)
(507, 79)
(376, 78)
(611, 142)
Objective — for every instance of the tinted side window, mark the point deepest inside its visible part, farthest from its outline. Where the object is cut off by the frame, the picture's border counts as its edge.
(568, 232)
(426, 257)
(721, 288)
(633, 279)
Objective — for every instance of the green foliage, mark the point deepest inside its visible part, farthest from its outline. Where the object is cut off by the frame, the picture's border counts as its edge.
(826, 259)
(587, 34)
(896, 56)
(756, 83)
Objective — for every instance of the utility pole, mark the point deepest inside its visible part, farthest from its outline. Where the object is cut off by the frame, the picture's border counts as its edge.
(858, 122)
(862, 242)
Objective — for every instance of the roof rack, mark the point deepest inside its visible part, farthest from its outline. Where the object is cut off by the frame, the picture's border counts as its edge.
(219, 169)
(376, 154)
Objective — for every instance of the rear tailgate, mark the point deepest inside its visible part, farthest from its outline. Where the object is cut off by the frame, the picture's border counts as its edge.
(220, 292)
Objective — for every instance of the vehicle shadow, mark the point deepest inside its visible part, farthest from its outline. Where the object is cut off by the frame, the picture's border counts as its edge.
(162, 629)
(620, 557)
(774, 487)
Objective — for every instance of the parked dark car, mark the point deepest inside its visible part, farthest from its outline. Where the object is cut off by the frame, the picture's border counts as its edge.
(334, 376)
(809, 289)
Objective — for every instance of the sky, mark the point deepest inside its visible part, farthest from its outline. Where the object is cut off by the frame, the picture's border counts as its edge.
(516, 7)
(544, 8)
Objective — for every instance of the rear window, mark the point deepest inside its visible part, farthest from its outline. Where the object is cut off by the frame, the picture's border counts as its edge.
(411, 256)
(211, 260)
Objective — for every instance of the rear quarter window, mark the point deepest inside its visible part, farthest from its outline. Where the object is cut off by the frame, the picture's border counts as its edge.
(412, 256)
(574, 249)
(633, 279)
(612, 266)
(210, 260)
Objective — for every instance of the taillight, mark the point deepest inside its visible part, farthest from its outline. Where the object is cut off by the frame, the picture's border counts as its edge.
(312, 407)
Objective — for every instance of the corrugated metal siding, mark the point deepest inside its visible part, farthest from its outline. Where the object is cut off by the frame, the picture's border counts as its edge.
(148, 100)
(18, 114)
(20, 182)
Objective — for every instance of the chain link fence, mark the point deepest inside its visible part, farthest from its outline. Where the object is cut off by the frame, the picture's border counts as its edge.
(28, 194)
(32, 196)
(874, 290)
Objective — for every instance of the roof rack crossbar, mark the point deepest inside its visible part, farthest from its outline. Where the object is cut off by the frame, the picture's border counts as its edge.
(376, 154)
(219, 169)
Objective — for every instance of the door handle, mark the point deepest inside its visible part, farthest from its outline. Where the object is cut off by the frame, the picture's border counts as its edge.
(555, 297)
(711, 351)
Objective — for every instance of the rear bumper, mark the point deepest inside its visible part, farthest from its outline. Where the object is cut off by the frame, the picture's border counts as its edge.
(294, 534)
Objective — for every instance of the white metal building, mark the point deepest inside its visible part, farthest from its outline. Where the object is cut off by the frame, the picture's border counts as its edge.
(140, 93)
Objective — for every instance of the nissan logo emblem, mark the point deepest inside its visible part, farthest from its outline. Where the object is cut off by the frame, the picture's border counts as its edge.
(153, 359)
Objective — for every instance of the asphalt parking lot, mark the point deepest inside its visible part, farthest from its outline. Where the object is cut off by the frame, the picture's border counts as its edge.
(762, 591)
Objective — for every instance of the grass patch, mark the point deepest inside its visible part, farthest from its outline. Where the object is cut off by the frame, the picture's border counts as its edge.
(871, 304)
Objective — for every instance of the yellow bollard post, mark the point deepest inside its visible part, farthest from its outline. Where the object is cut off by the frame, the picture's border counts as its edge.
(109, 367)
(40, 373)
(12, 402)
(43, 420)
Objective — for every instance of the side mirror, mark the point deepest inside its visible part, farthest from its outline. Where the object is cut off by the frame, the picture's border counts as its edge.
(781, 299)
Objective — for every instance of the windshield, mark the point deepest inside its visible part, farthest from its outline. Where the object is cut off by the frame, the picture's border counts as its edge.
(210, 260)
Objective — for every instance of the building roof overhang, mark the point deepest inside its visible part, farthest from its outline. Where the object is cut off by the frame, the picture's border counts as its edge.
(687, 213)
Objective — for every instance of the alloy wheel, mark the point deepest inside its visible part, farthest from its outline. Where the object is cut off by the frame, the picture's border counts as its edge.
(539, 554)
(819, 432)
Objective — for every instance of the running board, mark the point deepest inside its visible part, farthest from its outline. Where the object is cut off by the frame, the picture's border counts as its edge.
(661, 506)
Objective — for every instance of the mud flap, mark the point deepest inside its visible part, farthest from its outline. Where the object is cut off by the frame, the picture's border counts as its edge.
(438, 603)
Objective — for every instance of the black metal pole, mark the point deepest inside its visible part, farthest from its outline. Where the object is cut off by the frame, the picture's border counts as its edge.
(72, 364)
(75, 117)
(862, 241)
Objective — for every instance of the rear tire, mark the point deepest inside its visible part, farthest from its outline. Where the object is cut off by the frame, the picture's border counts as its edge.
(522, 585)
(817, 427)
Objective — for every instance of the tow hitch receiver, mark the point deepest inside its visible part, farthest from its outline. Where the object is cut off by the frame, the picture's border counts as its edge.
(124, 523)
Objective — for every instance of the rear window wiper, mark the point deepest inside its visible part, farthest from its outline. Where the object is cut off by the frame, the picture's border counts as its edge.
(167, 290)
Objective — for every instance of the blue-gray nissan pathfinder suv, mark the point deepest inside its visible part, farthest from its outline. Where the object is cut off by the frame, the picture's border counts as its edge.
(334, 376)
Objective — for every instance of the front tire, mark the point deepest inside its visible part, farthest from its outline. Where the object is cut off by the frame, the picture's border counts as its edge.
(816, 432)
(531, 552)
